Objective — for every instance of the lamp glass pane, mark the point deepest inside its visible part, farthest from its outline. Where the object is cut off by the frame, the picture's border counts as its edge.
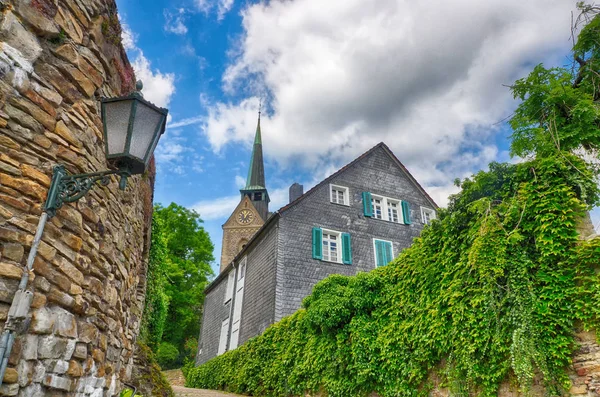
(154, 143)
(144, 127)
(117, 122)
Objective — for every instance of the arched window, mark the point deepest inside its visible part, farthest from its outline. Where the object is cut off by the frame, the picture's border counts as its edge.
(242, 244)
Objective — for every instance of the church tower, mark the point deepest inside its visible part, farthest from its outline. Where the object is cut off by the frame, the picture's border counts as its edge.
(252, 211)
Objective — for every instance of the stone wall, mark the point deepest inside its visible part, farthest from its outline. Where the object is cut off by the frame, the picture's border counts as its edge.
(57, 59)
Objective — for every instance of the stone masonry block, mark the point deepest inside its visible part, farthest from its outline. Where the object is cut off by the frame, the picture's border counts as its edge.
(66, 324)
(9, 389)
(25, 371)
(13, 251)
(70, 349)
(88, 333)
(57, 382)
(56, 366)
(51, 346)
(42, 321)
(29, 350)
(80, 351)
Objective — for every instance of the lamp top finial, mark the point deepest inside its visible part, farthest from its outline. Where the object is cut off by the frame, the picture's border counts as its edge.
(139, 85)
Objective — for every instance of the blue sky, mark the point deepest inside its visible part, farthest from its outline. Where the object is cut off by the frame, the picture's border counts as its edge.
(335, 78)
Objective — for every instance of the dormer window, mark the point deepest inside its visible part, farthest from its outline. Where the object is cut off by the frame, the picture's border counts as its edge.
(339, 195)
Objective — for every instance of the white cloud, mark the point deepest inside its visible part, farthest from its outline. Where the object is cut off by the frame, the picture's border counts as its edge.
(175, 21)
(169, 151)
(428, 80)
(240, 181)
(216, 208)
(186, 122)
(128, 38)
(159, 87)
(221, 7)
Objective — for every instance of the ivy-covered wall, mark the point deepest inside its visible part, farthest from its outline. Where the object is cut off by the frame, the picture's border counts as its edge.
(493, 291)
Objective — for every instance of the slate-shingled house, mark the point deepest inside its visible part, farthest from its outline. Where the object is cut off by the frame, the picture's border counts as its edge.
(355, 220)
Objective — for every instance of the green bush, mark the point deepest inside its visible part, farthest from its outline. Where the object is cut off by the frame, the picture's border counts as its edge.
(167, 355)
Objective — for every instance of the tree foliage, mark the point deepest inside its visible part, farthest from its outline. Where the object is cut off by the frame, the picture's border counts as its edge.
(492, 290)
(178, 272)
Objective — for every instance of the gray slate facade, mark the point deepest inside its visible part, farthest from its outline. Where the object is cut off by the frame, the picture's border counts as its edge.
(280, 269)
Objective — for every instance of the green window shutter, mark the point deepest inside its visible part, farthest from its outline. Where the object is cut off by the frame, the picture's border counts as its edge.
(346, 249)
(317, 243)
(383, 252)
(367, 204)
(406, 212)
(379, 253)
(389, 255)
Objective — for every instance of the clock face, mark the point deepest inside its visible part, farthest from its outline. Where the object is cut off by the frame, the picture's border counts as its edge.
(245, 216)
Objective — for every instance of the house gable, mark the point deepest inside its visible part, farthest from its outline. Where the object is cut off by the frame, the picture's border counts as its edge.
(377, 172)
(379, 147)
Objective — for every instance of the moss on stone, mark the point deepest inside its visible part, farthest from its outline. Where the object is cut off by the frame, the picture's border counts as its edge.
(147, 374)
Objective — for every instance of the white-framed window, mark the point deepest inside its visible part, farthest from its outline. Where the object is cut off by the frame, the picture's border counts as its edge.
(377, 207)
(427, 215)
(393, 210)
(384, 252)
(339, 194)
(387, 209)
(331, 246)
(230, 283)
(223, 337)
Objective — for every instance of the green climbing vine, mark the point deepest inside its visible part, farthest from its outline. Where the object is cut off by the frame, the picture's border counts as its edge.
(157, 301)
(493, 290)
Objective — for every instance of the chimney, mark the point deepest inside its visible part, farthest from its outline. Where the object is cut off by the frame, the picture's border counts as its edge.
(296, 190)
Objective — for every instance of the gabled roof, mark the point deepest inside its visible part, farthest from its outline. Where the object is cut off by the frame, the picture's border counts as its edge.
(278, 213)
(356, 160)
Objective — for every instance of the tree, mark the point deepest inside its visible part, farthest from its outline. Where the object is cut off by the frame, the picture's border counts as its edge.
(189, 252)
(559, 112)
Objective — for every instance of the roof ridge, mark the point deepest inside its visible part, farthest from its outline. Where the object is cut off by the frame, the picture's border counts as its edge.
(310, 191)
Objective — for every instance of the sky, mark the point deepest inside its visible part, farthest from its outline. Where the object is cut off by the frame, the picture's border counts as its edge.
(335, 78)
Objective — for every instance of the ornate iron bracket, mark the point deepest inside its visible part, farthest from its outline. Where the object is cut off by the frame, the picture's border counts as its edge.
(65, 188)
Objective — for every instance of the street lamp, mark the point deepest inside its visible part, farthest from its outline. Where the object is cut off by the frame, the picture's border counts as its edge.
(132, 128)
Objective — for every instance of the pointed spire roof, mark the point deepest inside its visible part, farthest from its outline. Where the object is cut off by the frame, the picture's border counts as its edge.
(256, 171)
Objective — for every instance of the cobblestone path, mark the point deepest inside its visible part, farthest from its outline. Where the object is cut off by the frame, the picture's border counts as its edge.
(181, 391)
(175, 378)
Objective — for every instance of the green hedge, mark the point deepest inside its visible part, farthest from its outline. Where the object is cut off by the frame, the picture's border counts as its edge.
(491, 290)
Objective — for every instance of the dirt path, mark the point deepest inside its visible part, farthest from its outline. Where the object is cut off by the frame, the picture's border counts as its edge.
(175, 378)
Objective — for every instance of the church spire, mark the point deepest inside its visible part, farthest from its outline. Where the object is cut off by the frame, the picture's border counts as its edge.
(256, 171)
